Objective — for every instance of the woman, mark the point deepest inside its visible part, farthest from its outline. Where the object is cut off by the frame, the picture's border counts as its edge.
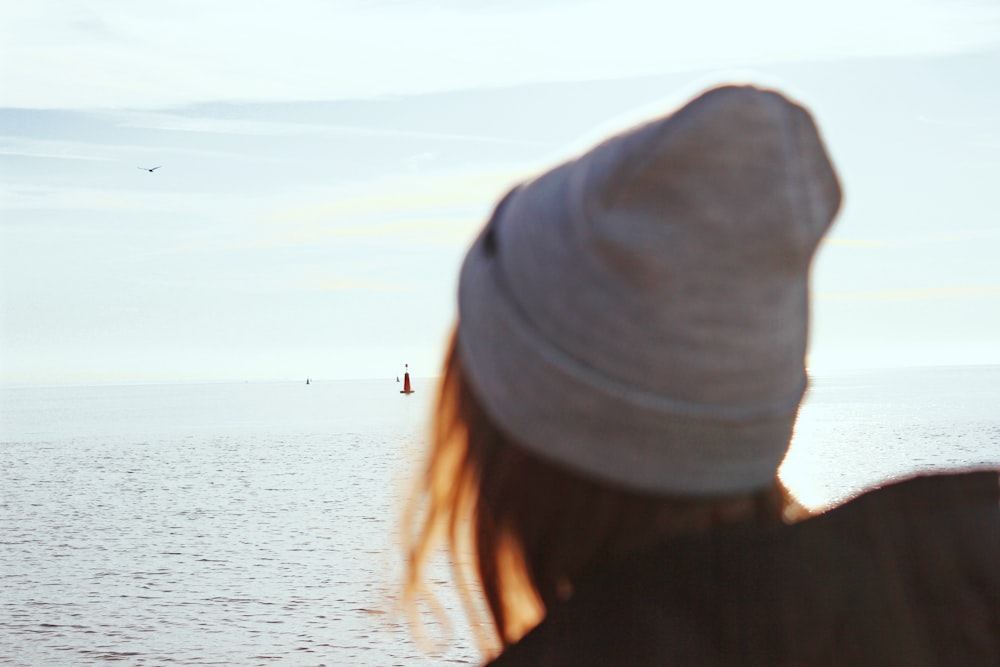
(620, 391)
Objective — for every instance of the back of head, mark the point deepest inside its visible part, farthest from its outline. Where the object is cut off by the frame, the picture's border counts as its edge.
(629, 357)
(640, 314)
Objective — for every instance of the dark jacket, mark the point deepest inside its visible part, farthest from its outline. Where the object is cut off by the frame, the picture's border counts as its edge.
(906, 575)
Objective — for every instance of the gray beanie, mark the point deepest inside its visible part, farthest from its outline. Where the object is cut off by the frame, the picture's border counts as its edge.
(639, 314)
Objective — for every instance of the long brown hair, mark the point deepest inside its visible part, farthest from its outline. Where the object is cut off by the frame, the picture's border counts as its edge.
(531, 530)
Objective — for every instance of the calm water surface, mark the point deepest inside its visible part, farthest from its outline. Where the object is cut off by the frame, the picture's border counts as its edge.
(205, 524)
(253, 524)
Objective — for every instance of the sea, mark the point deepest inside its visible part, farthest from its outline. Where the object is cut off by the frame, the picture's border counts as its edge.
(257, 523)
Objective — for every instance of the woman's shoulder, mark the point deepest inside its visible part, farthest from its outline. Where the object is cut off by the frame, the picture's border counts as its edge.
(866, 582)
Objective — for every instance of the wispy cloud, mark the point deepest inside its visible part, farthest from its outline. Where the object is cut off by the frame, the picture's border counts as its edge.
(53, 150)
(67, 198)
(929, 239)
(91, 150)
(427, 231)
(441, 209)
(853, 243)
(410, 196)
(209, 125)
(19, 197)
(354, 284)
(947, 123)
(914, 294)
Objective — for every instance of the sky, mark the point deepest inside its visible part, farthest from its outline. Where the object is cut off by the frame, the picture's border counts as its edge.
(324, 164)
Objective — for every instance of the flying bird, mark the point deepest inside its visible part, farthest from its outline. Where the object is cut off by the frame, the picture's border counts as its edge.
(150, 169)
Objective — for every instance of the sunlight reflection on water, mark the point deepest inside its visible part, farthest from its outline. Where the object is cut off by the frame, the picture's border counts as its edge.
(858, 430)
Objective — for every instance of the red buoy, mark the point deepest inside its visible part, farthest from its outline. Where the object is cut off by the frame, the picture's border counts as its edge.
(406, 381)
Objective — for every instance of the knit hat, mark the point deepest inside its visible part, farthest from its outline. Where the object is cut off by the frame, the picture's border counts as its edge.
(639, 314)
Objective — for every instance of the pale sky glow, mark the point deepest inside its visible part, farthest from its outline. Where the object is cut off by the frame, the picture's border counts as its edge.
(163, 54)
(325, 164)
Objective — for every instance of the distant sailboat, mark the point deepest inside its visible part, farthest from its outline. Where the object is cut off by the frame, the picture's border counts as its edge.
(406, 381)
